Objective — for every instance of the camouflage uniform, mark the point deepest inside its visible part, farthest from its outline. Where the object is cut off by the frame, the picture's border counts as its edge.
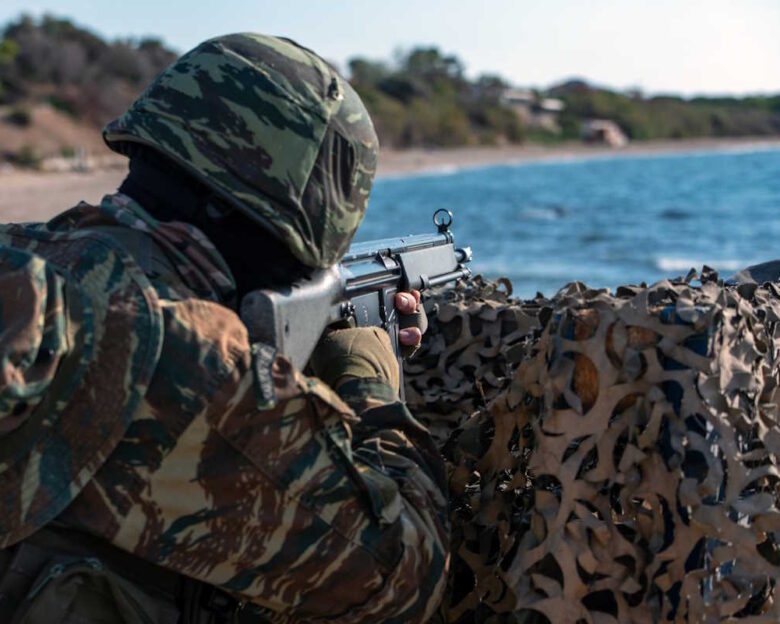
(130, 405)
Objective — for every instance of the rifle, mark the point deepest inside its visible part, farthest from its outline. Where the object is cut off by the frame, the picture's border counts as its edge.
(358, 292)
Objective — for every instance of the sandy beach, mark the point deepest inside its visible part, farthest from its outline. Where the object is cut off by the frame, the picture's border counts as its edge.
(33, 196)
(405, 162)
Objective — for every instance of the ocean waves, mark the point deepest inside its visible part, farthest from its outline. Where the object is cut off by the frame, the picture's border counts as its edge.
(677, 264)
(602, 222)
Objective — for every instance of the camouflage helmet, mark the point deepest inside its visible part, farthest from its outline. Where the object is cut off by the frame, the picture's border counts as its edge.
(272, 129)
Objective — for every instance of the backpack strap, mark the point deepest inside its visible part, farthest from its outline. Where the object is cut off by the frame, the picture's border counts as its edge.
(24, 565)
(20, 566)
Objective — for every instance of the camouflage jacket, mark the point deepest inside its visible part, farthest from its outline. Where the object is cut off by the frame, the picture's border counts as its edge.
(317, 507)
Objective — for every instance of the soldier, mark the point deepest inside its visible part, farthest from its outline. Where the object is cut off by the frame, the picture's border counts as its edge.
(147, 473)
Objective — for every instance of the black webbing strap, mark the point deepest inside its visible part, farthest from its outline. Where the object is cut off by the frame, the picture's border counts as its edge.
(20, 565)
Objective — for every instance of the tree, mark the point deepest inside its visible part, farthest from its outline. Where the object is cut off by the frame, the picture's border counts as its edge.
(431, 63)
(365, 72)
(490, 86)
(8, 50)
(53, 59)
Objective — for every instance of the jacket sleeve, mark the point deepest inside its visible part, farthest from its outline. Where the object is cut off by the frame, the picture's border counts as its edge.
(240, 471)
(369, 540)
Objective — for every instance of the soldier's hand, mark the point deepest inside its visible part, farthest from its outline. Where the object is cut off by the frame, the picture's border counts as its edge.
(365, 352)
(413, 321)
(357, 352)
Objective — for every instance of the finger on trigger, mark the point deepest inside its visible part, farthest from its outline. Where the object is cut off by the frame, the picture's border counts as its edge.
(416, 295)
(405, 303)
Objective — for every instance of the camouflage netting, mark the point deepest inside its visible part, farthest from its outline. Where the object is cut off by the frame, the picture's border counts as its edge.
(612, 458)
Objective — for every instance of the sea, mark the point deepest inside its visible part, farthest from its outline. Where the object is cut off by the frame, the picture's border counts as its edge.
(604, 221)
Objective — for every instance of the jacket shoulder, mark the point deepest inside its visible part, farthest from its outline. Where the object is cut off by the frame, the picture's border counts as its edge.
(81, 335)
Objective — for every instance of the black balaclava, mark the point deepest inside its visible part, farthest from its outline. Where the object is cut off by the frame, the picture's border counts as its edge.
(255, 257)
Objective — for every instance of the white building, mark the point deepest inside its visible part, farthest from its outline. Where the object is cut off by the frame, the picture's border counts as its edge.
(534, 111)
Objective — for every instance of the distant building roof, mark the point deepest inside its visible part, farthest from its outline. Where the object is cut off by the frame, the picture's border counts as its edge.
(552, 105)
(518, 96)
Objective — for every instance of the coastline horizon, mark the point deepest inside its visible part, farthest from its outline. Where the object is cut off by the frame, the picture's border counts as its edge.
(401, 163)
(603, 221)
(34, 195)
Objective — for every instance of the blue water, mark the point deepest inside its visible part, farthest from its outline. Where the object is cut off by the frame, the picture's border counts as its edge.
(602, 221)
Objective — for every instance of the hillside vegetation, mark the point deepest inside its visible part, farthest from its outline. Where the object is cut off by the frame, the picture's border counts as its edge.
(59, 83)
(668, 116)
(74, 70)
(424, 99)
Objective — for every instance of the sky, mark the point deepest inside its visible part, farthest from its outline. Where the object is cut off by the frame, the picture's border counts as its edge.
(659, 46)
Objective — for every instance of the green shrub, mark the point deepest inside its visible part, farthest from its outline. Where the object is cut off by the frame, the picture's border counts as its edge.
(542, 136)
(28, 157)
(8, 50)
(62, 105)
(19, 116)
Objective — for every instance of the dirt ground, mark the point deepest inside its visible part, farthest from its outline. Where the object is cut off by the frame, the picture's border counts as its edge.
(28, 196)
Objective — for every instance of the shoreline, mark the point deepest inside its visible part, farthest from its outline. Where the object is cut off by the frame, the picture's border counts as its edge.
(420, 161)
(34, 196)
